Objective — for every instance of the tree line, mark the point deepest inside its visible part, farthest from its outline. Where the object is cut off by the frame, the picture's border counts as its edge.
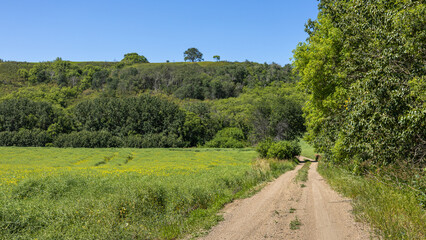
(363, 66)
(183, 80)
(154, 121)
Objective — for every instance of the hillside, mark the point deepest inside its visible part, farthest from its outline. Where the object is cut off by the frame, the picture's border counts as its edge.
(80, 104)
(74, 80)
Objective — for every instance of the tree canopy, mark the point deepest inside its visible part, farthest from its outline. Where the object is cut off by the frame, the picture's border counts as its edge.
(363, 65)
(193, 55)
(131, 58)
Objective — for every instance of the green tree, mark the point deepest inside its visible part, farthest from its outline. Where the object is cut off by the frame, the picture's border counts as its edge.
(217, 57)
(23, 73)
(193, 55)
(362, 65)
(131, 58)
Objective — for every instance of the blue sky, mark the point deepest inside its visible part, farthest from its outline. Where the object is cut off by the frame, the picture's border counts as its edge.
(255, 30)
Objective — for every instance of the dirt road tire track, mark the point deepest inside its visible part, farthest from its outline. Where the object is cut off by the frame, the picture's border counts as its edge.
(324, 214)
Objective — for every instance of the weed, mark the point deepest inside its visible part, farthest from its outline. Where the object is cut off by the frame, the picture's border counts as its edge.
(302, 174)
(295, 224)
(292, 210)
(302, 185)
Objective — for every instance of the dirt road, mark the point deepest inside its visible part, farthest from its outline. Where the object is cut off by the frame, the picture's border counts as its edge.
(322, 212)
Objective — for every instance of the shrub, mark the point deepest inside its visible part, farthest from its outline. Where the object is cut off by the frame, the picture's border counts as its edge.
(284, 150)
(25, 138)
(263, 147)
(222, 142)
(88, 140)
(153, 141)
(279, 150)
(228, 138)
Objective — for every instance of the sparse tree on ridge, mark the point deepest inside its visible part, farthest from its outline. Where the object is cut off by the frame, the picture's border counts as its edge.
(217, 57)
(193, 55)
(131, 58)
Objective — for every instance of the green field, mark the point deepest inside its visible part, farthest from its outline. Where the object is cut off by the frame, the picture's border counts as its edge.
(52, 193)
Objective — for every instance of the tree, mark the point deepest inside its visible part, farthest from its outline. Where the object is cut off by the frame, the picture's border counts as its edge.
(217, 57)
(131, 58)
(363, 66)
(193, 55)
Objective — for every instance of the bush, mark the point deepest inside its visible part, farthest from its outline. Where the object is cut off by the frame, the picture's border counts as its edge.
(25, 138)
(222, 142)
(263, 147)
(153, 141)
(228, 138)
(88, 140)
(104, 139)
(280, 150)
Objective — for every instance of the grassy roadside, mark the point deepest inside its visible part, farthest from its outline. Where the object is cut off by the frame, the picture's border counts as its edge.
(395, 213)
(50, 193)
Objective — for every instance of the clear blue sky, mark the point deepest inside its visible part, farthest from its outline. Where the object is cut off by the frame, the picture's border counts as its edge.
(256, 30)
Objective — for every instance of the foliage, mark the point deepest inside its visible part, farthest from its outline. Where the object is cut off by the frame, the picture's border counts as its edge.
(263, 147)
(87, 139)
(268, 112)
(16, 114)
(279, 150)
(284, 150)
(25, 138)
(110, 104)
(126, 116)
(228, 138)
(279, 117)
(200, 126)
(132, 58)
(193, 55)
(159, 194)
(217, 58)
(59, 96)
(363, 65)
(206, 80)
(154, 140)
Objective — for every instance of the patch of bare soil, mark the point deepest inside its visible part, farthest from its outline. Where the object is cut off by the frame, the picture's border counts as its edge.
(285, 209)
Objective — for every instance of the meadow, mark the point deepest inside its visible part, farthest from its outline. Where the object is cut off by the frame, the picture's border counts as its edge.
(52, 193)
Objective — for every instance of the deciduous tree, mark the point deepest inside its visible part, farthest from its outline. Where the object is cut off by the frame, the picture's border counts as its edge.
(193, 55)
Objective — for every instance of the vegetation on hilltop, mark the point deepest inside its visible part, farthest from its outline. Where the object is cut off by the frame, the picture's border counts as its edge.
(128, 102)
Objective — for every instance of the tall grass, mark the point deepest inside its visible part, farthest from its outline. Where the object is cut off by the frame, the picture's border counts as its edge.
(50, 193)
(394, 212)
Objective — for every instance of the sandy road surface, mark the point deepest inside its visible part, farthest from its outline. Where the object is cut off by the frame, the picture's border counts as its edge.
(324, 214)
